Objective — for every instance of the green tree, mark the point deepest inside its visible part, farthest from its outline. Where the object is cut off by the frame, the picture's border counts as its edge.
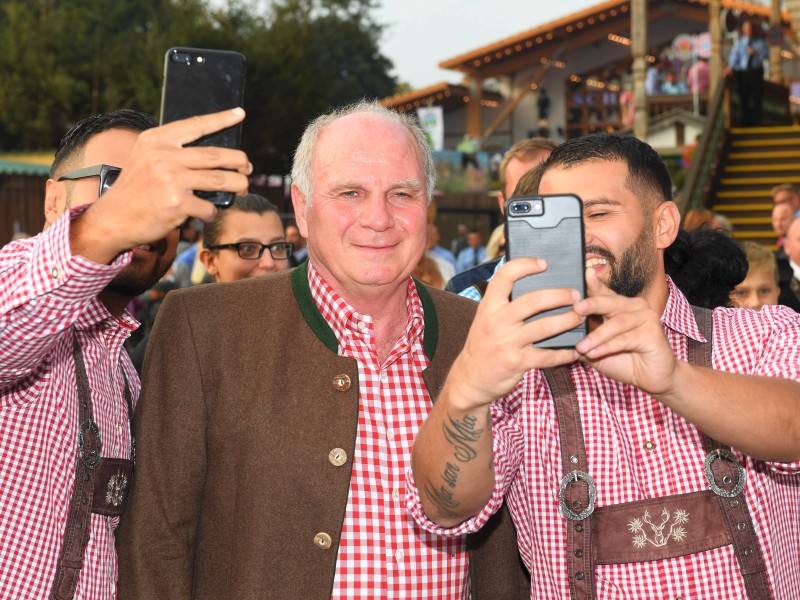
(62, 61)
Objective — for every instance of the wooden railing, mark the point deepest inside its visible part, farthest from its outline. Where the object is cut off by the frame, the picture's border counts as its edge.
(698, 180)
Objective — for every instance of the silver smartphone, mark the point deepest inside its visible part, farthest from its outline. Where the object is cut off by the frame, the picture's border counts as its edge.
(200, 81)
(549, 227)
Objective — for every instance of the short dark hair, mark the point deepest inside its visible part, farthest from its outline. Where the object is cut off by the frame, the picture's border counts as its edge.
(251, 203)
(647, 173)
(79, 134)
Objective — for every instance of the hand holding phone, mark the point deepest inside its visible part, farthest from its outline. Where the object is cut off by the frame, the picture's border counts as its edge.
(201, 81)
(550, 228)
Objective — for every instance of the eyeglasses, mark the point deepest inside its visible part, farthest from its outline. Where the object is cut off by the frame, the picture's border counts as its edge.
(254, 250)
(108, 175)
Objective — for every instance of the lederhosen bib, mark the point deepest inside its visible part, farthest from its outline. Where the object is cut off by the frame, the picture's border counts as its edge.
(101, 484)
(656, 528)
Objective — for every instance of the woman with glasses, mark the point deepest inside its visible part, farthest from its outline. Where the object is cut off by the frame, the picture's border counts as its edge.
(245, 240)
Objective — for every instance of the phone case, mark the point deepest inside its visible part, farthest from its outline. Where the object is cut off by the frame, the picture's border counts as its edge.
(549, 227)
(200, 81)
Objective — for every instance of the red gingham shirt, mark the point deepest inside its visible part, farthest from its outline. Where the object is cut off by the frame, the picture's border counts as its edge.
(383, 553)
(618, 420)
(45, 291)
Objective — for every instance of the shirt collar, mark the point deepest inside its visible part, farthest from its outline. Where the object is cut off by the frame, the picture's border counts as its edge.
(342, 317)
(678, 315)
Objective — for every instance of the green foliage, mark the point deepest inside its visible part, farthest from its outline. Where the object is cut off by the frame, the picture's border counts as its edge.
(62, 61)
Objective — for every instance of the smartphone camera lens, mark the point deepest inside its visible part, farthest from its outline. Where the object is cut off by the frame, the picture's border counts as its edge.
(520, 208)
(182, 57)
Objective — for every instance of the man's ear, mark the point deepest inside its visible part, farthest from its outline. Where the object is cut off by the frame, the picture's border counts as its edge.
(666, 223)
(55, 201)
(299, 203)
(501, 202)
(209, 261)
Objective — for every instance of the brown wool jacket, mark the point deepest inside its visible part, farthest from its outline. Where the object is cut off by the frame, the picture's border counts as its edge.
(243, 402)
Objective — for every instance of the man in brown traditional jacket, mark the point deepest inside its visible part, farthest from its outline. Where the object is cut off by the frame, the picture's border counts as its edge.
(278, 413)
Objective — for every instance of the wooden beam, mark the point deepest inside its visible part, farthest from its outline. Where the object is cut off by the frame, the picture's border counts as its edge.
(512, 105)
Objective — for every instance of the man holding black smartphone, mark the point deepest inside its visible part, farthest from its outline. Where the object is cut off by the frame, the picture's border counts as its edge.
(118, 190)
(278, 412)
(616, 455)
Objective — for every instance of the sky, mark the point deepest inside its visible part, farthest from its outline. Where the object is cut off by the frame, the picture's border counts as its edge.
(420, 34)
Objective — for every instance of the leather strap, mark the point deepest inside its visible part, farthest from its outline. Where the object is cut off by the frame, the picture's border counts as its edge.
(577, 489)
(88, 461)
(725, 475)
(575, 493)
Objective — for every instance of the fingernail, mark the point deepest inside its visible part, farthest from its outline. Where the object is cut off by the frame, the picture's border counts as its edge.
(576, 296)
(238, 110)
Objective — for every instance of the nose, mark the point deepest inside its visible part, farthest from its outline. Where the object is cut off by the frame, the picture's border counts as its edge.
(266, 262)
(375, 213)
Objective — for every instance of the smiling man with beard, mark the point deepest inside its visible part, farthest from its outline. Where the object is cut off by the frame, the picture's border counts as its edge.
(118, 190)
(659, 457)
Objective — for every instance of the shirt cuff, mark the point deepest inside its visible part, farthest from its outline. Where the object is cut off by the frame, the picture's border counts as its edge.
(56, 270)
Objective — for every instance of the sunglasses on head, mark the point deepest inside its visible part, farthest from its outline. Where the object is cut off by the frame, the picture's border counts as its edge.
(108, 175)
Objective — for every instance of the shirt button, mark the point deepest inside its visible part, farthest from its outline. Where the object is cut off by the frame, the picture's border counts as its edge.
(341, 383)
(54, 273)
(322, 540)
(338, 457)
(398, 556)
(649, 445)
(362, 326)
(395, 494)
(390, 435)
(384, 376)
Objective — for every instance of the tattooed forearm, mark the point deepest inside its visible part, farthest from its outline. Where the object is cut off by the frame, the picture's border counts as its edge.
(462, 435)
(442, 498)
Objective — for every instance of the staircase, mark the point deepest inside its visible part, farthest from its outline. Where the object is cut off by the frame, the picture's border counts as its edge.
(756, 159)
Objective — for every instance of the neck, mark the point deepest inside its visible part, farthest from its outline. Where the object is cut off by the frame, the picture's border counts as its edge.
(114, 302)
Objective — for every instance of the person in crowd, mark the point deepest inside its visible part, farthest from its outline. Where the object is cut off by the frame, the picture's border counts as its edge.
(760, 287)
(673, 85)
(518, 160)
(787, 193)
(495, 247)
(267, 472)
(782, 215)
(444, 259)
(788, 259)
(706, 265)
(427, 271)
(119, 188)
(298, 242)
(460, 241)
(190, 231)
(698, 77)
(245, 240)
(701, 217)
(473, 254)
(577, 439)
(746, 62)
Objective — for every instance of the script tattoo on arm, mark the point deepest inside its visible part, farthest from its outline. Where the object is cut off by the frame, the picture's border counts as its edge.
(462, 435)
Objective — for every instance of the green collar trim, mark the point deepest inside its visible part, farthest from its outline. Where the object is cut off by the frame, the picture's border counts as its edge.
(318, 324)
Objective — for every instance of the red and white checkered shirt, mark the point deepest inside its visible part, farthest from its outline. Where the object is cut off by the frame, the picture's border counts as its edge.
(637, 449)
(383, 553)
(45, 291)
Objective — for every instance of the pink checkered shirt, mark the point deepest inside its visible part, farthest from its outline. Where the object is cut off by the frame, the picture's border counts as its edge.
(618, 422)
(383, 553)
(45, 291)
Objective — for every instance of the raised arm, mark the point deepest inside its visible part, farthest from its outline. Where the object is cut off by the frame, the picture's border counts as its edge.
(758, 415)
(452, 461)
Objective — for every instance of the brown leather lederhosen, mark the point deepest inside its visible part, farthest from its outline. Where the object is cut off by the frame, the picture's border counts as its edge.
(656, 528)
(101, 484)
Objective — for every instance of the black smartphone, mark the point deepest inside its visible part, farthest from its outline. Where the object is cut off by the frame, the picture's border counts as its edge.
(200, 81)
(549, 227)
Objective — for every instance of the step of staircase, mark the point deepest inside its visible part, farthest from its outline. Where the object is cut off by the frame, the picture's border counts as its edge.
(757, 159)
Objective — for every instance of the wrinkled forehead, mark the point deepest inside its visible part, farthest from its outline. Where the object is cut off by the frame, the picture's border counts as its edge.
(367, 139)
